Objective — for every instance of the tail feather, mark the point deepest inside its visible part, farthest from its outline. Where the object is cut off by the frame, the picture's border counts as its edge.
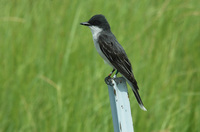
(137, 96)
(135, 91)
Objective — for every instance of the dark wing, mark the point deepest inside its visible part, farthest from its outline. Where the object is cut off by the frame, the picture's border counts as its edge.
(117, 56)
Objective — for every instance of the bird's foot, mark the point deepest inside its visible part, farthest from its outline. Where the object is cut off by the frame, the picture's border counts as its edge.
(108, 81)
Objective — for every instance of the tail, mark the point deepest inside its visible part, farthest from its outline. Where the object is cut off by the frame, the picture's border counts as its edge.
(137, 96)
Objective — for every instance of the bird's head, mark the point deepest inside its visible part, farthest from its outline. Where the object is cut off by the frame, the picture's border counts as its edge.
(97, 22)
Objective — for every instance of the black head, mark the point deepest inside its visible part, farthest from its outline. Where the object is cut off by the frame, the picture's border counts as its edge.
(99, 21)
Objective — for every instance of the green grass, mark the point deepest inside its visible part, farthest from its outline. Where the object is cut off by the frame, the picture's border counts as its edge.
(52, 79)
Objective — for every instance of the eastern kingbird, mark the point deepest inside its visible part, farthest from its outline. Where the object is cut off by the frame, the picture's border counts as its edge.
(112, 52)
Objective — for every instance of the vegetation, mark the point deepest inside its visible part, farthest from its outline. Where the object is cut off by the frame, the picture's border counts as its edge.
(52, 79)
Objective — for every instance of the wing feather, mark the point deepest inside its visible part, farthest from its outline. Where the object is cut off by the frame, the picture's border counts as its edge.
(117, 56)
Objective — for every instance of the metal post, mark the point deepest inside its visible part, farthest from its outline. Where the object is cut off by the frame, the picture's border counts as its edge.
(120, 105)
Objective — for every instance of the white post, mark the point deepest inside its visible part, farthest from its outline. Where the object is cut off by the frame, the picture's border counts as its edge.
(120, 105)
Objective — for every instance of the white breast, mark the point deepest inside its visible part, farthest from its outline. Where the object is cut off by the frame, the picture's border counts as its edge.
(95, 33)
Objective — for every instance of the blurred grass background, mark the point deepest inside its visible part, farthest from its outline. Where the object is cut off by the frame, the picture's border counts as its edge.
(52, 79)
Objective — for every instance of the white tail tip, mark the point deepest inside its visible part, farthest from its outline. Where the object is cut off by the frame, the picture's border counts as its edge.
(143, 108)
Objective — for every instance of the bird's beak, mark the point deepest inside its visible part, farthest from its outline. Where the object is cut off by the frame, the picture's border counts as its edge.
(85, 24)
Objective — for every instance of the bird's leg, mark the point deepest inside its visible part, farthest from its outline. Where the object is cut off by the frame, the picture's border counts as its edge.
(115, 74)
(108, 78)
(111, 72)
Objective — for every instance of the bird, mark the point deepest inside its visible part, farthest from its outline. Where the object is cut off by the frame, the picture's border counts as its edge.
(112, 52)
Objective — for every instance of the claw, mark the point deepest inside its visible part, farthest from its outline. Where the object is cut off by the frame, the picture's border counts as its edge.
(108, 81)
